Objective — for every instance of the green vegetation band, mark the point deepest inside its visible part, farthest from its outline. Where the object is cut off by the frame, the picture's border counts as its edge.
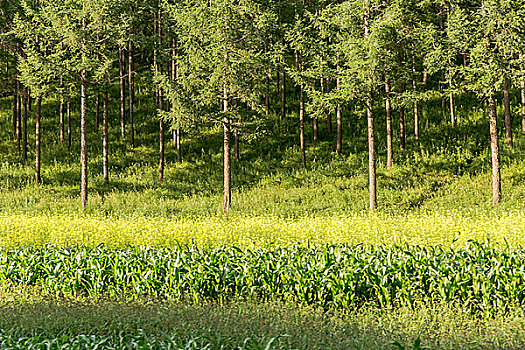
(477, 276)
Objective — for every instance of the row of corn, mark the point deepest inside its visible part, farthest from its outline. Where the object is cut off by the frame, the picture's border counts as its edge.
(476, 275)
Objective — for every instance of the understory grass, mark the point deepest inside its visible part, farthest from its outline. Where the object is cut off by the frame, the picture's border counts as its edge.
(46, 323)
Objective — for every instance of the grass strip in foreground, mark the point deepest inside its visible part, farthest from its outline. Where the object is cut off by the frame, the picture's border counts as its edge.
(43, 323)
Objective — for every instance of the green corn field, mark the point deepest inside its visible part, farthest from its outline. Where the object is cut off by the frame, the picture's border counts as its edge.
(481, 278)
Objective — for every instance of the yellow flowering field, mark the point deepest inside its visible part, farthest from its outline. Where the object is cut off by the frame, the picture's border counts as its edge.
(255, 231)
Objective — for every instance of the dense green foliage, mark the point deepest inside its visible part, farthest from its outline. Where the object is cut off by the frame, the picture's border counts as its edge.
(479, 277)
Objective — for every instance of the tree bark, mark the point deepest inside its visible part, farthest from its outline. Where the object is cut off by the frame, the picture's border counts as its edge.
(24, 125)
(161, 102)
(316, 129)
(97, 110)
(315, 125)
(83, 142)
(441, 87)
(402, 135)
(508, 120)
(414, 88)
(131, 93)
(278, 82)
(122, 93)
(174, 77)
(19, 117)
(267, 97)
(339, 120)
(496, 178)
(371, 153)
(522, 93)
(416, 120)
(388, 108)
(451, 104)
(301, 122)
(155, 60)
(68, 114)
(37, 139)
(236, 144)
(61, 109)
(161, 141)
(177, 141)
(236, 135)
(15, 108)
(226, 150)
(283, 95)
(328, 115)
(105, 143)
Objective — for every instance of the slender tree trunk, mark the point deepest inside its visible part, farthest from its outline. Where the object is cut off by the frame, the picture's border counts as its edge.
(325, 114)
(278, 85)
(105, 143)
(173, 78)
(161, 141)
(388, 125)
(441, 87)
(328, 115)
(24, 125)
(177, 141)
(15, 108)
(83, 142)
(236, 144)
(315, 124)
(160, 97)
(226, 150)
(236, 135)
(131, 93)
(451, 104)
(155, 60)
(316, 129)
(267, 97)
(37, 139)
(508, 120)
(301, 122)
(122, 93)
(496, 178)
(283, 95)
(97, 110)
(416, 110)
(402, 143)
(370, 123)
(61, 109)
(19, 117)
(339, 120)
(416, 120)
(522, 90)
(68, 114)
(371, 153)
(402, 134)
